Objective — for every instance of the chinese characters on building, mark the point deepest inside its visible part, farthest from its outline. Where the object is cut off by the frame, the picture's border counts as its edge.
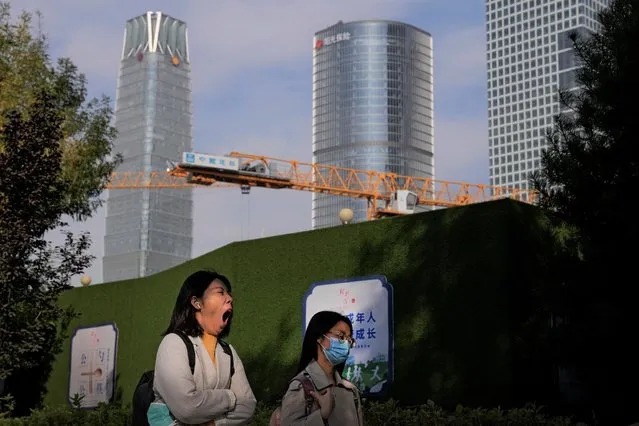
(332, 40)
(336, 38)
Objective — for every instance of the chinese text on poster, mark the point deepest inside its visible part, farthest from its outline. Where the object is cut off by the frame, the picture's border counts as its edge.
(92, 369)
(368, 303)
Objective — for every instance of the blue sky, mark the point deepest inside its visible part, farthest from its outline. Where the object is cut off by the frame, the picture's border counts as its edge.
(251, 74)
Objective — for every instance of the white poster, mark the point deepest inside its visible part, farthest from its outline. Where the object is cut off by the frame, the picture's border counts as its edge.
(368, 303)
(92, 367)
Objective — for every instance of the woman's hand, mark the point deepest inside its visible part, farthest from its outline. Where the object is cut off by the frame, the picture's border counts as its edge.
(325, 401)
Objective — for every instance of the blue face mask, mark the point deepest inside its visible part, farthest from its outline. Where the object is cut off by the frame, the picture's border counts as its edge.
(337, 352)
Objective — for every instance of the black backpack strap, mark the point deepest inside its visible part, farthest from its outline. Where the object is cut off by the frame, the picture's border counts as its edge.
(189, 349)
(227, 350)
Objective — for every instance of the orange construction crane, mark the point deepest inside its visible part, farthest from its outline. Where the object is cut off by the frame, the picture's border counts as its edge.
(388, 194)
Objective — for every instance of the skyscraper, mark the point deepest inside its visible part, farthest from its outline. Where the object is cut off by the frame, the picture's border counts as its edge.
(149, 230)
(530, 56)
(372, 105)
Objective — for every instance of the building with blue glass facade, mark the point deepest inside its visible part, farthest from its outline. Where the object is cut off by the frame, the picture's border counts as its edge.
(149, 230)
(372, 105)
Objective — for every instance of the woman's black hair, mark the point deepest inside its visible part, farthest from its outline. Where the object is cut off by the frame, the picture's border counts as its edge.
(318, 326)
(183, 317)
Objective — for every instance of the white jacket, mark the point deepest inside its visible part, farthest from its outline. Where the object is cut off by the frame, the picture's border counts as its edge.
(209, 394)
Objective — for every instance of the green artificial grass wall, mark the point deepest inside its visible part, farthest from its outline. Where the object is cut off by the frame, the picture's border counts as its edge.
(460, 280)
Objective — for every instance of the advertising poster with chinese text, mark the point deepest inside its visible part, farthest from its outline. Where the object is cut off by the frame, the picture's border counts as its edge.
(368, 302)
(92, 369)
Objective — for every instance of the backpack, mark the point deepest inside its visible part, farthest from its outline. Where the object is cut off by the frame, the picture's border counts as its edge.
(144, 395)
(304, 379)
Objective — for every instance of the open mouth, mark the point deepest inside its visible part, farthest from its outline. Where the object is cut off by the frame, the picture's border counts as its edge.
(227, 315)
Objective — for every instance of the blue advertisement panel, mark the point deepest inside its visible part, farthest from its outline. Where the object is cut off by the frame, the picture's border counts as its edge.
(368, 303)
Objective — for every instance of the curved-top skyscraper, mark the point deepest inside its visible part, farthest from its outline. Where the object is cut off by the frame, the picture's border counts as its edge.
(372, 105)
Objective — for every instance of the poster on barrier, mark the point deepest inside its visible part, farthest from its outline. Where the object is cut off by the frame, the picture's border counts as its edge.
(92, 364)
(368, 303)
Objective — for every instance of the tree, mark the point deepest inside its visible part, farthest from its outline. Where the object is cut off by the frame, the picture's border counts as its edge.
(589, 177)
(55, 160)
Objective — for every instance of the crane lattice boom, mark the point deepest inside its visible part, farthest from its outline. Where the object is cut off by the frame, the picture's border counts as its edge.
(269, 172)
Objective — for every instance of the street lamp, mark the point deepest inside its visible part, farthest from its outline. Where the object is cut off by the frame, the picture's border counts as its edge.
(85, 280)
(345, 216)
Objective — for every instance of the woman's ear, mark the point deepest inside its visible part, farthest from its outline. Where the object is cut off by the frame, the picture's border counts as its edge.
(196, 303)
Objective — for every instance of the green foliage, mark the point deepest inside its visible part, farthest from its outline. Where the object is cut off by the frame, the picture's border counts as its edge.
(76, 400)
(103, 415)
(84, 135)
(463, 281)
(590, 170)
(591, 157)
(7, 405)
(392, 413)
(54, 162)
(23, 62)
(375, 414)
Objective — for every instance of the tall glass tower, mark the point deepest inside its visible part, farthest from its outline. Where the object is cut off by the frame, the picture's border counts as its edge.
(529, 56)
(149, 230)
(372, 105)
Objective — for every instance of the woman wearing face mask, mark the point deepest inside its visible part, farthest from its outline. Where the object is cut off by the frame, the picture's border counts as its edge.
(328, 399)
(216, 392)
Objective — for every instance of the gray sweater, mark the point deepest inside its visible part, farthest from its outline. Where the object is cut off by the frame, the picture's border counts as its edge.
(209, 394)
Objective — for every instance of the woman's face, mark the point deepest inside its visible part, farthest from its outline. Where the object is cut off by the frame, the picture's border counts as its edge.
(340, 331)
(214, 309)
